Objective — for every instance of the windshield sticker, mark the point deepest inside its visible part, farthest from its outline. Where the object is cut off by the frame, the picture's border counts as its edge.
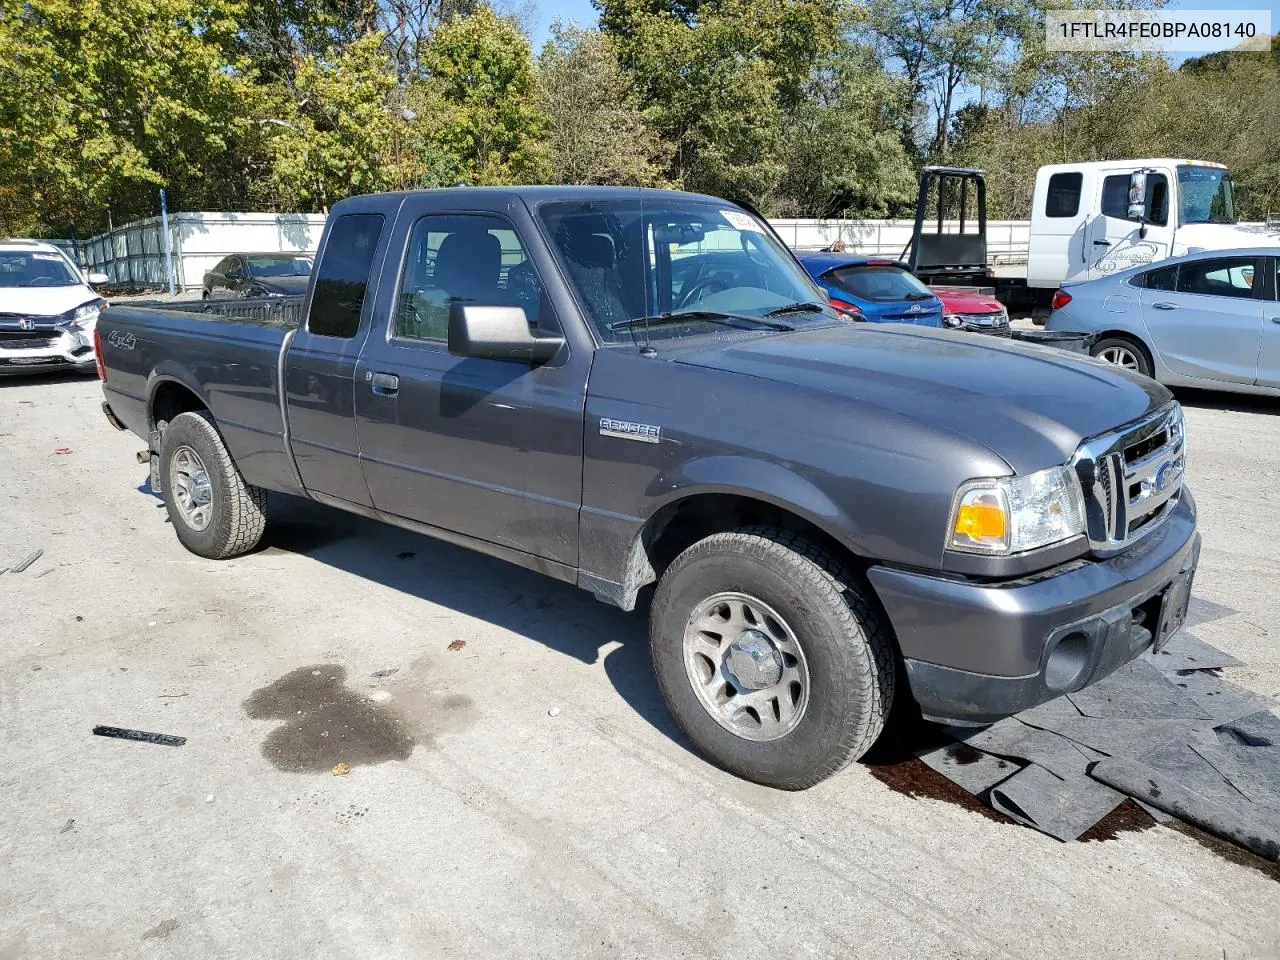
(742, 221)
(46, 256)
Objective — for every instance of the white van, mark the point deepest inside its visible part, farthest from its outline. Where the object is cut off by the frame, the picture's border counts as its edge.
(1090, 220)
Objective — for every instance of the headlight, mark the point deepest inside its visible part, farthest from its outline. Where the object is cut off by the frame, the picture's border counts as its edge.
(1007, 515)
(82, 317)
(951, 320)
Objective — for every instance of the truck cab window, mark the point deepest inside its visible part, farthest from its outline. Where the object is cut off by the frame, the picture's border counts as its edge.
(472, 259)
(1063, 198)
(342, 276)
(1115, 198)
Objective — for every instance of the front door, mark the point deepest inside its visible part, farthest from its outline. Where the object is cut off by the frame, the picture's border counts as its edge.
(1113, 241)
(1205, 317)
(487, 448)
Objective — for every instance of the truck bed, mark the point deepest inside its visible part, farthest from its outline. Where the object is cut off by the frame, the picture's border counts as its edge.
(230, 363)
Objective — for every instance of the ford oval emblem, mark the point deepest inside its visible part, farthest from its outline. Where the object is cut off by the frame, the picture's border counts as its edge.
(1165, 475)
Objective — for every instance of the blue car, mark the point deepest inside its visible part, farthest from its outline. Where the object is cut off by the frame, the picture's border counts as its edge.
(873, 289)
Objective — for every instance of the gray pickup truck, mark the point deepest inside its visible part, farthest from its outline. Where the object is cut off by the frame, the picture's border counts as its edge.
(624, 387)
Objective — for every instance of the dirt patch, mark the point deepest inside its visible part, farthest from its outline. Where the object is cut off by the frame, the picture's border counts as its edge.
(914, 779)
(326, 723)
(1227, 850)
(1126, 818)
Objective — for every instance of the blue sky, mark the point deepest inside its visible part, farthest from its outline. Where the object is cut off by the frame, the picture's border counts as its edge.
(551, 10)
(585, 14)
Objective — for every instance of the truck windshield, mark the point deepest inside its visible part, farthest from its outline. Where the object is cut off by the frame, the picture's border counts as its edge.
(35, 270)
(693, 264)
(1206, 195)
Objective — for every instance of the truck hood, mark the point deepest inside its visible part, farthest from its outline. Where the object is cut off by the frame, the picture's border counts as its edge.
(1028, 404)
(1224, 236)
(44, 301)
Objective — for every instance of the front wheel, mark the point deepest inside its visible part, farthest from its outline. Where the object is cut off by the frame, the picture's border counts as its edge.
(771, 656)
(213, 511)
(1124, 352)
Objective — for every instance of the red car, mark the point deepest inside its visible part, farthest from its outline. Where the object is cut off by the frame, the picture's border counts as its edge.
(972, 309)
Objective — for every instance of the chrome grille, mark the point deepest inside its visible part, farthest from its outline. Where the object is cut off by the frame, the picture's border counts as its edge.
(1132, 478)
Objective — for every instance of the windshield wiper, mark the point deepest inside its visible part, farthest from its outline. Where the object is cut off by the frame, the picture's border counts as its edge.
(800, 306)
(734, 320)
(918, 296)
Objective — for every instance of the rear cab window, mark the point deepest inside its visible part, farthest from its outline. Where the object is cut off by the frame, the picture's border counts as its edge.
(1063, 196)
(343, 274)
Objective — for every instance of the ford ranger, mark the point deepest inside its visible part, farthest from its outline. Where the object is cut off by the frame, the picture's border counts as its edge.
(623, 387)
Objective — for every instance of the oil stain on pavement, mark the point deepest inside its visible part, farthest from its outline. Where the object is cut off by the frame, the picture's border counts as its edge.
(324, 722)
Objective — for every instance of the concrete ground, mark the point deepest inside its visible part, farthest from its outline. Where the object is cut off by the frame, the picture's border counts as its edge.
(515, 788)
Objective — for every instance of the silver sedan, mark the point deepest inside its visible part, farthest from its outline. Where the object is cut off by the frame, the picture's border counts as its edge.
(1204, 320)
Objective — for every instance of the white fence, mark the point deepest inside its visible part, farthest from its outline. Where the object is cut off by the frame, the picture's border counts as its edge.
(134, 253)
(1006, 239)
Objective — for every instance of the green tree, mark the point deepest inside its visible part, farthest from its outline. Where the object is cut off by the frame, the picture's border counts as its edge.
(597, 133)
(717, 78)
(101, 103)
(840, 145)
(942, 47)
(334, 131)
(480, 99)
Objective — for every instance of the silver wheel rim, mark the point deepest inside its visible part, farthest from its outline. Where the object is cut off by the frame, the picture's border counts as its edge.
(192, 494)
(746, 666)
(1120, 356)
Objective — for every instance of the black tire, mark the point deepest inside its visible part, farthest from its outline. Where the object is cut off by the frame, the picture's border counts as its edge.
(846, 640)
(238, 509)
(1136, 349)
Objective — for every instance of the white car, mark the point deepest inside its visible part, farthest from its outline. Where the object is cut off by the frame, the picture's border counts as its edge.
(48, 310)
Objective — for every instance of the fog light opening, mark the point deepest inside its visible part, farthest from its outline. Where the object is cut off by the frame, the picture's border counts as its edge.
(1068, 662)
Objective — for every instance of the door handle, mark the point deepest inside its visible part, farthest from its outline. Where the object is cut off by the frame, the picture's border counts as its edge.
(1162, 305)
(385, 384)
(1102, 243)
(1274, 319)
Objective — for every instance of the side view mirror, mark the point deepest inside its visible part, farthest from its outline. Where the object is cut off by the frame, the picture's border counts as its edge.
(497, 333)
(1138, 196)
(98, 278)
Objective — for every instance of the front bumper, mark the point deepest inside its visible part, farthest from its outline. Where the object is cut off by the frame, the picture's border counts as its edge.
(46, 351)
(976, 652)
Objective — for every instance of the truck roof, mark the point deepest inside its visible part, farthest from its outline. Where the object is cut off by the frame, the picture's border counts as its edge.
(1125, 161)
(542, 193)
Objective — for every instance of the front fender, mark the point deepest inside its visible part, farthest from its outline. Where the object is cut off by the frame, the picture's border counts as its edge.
(756, 479)
(724, 474)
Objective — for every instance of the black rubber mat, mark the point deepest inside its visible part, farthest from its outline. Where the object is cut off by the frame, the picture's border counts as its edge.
(1168, 730)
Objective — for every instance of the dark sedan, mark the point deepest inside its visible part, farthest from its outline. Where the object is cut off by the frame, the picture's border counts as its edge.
(258, 275)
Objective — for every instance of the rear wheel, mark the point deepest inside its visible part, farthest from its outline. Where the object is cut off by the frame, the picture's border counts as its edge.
(1124, 352)
(771, 656)
(214, 512)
